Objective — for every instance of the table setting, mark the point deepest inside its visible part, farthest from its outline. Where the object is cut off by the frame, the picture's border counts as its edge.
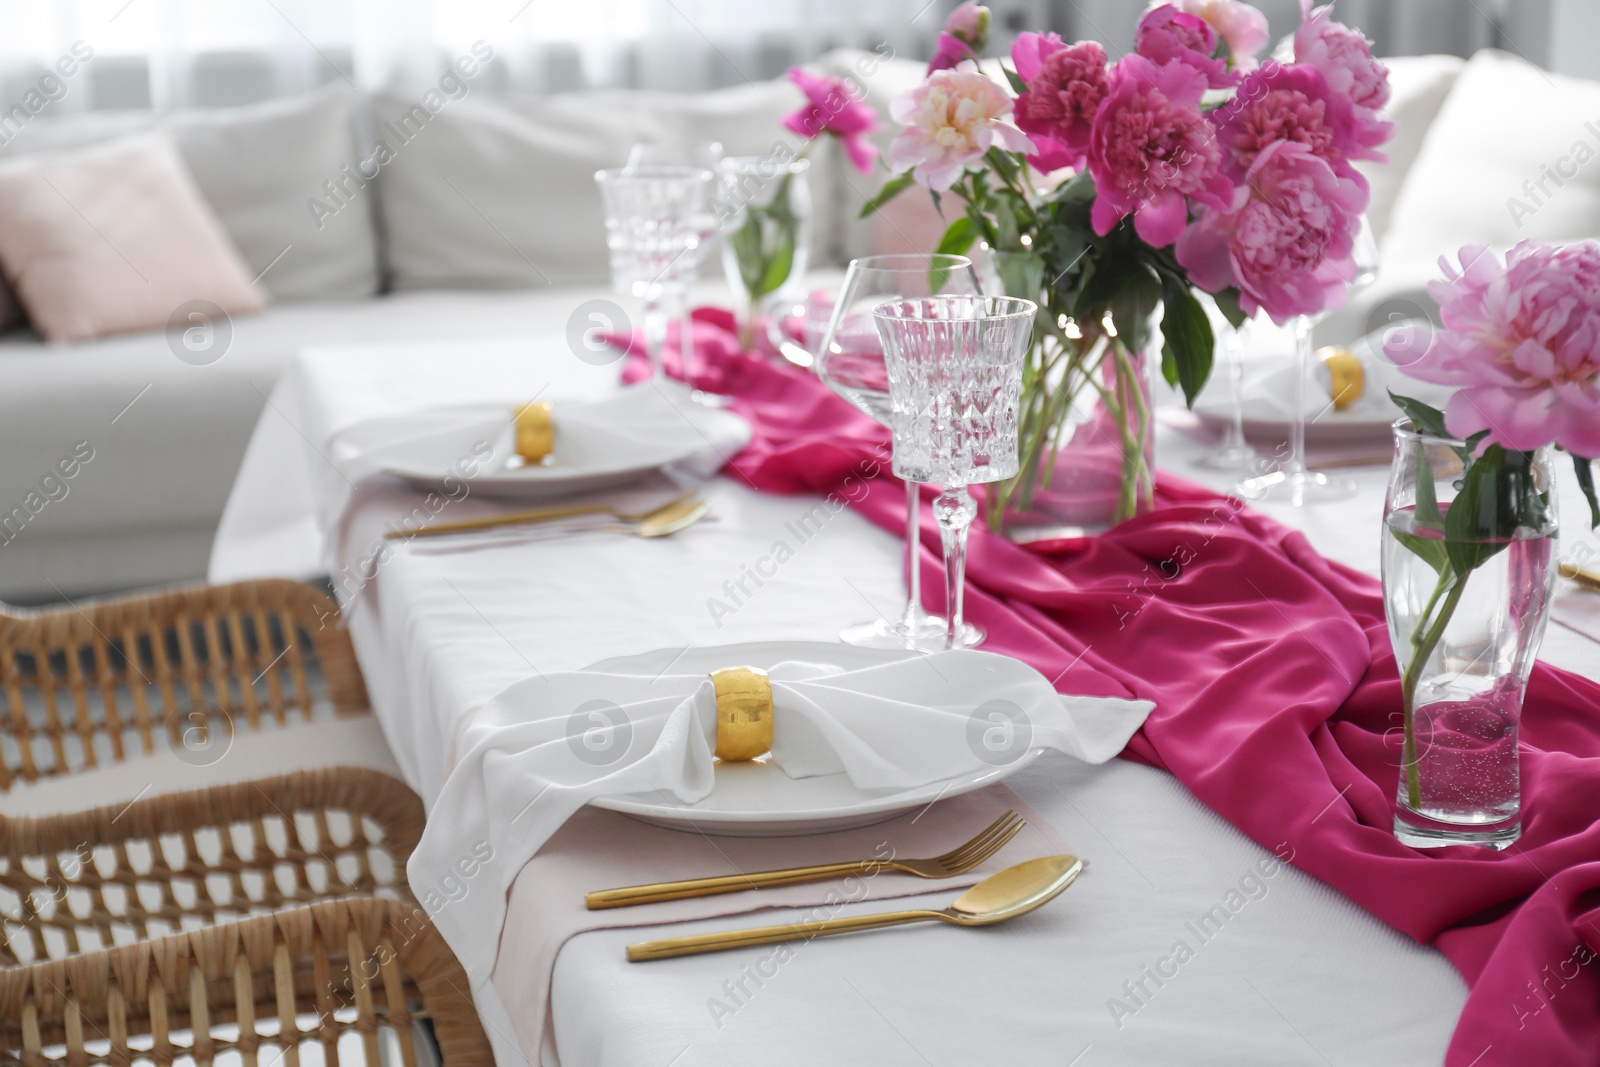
(769, 627)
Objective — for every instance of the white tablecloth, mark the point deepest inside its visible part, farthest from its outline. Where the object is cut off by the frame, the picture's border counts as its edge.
(1121, 971)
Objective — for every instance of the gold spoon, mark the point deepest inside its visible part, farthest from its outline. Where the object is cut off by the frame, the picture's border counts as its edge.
(523, 518)
(1003, 895)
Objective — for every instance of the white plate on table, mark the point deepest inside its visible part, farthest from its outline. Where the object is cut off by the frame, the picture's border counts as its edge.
(421, 448)
(1267, 408)
(756, 799)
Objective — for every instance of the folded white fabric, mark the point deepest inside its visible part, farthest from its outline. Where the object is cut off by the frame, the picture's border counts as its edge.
(546, 746)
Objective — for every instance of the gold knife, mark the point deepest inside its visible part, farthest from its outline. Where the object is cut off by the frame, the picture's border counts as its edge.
(1580, 576)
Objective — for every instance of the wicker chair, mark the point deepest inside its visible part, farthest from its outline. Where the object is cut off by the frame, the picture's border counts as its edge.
(90, 880)
(101, 681)
(351, 976)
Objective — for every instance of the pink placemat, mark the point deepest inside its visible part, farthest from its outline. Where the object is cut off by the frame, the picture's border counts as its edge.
(598, 849)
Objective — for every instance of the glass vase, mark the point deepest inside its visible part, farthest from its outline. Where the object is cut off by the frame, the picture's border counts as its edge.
(1466, 615)
(1086, 426)
(765, 207)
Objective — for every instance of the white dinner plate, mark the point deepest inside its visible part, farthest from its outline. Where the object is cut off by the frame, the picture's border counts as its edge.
(756, 799)
(1267, 410)
(580, 462)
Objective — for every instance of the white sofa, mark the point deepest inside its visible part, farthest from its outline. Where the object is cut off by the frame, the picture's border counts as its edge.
(485, 223)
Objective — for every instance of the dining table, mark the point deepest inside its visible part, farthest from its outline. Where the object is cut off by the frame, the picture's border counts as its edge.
(1275, 968)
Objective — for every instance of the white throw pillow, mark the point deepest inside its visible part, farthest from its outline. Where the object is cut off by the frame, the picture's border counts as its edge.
(499, 193)
(114, 238)
(260, 167)
(1491, 167)
(1418, 86)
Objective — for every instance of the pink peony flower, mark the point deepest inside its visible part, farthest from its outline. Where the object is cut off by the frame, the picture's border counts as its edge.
(1065, 86)
(964, 36)
(1522, 341)
(1287, 103)
(1150, 148)
(950, 121)
(1287, 240)
(1344, 57)
(1166, 34)
(1243, 27)
(832, 107)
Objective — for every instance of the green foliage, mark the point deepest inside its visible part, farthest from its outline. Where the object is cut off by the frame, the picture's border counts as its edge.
(891, 189)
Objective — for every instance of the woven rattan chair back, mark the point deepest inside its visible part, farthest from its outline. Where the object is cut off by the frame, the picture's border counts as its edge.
(71, 884)
(100, 682)
(344, 981)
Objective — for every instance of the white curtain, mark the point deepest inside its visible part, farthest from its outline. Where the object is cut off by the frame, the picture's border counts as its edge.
(167, 53)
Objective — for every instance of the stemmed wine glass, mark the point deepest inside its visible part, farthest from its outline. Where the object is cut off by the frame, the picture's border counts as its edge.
(701, 155)
(955, 383)
(850, 361)
(1292, 483)
(1233, 453)
(657, 218)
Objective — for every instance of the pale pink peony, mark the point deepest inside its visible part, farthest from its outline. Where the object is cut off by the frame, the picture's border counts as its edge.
(950, 121)
(832, 107)
(1065, 86)
(1243, 27)
(1287, 103)
(964, 36)
(1286, 241)
(1151, 148)
(1344, 57)
(1166, 34)
(1522, 343)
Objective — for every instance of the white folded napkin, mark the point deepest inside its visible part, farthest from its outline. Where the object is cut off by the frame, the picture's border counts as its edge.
(546, 746)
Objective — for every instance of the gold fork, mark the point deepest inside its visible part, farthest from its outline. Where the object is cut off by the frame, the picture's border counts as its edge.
(958, 860)
(519, 518)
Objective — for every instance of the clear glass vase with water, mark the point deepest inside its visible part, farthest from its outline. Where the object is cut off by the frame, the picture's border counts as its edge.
(1466, 615)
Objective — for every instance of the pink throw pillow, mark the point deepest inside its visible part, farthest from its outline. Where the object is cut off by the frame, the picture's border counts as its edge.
(112, 238)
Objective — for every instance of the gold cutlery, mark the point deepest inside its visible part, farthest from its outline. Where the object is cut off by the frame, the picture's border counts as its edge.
(958, 860)
(1004, 895)
(1581, 577)
(663, 522)
(519, 518)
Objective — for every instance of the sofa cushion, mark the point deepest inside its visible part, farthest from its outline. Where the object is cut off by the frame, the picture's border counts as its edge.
(1513, 154)
(1418, 86)
(112, 238)
(499, 193)
(261, 167)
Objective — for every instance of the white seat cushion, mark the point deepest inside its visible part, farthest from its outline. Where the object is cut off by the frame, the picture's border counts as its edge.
(1418, 86)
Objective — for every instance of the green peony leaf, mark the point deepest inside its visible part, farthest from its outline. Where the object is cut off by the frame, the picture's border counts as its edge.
(891, 189)
(1585, 471)
(1188, 345)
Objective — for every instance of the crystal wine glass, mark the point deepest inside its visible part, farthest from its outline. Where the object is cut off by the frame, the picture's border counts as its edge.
(657, 218)
(1233, 453)
(1293, 483)
(849, 360)
(706, 155)
(955, 383)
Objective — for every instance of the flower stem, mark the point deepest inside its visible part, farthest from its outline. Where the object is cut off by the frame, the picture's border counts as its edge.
(1423, 642)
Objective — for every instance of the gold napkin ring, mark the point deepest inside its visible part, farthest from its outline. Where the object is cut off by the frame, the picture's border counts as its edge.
(536, 434)
(744, 713)
(1347, 378)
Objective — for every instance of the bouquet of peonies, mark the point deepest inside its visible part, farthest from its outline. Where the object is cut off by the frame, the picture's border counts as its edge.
(1111, 192)
(1521, 342)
